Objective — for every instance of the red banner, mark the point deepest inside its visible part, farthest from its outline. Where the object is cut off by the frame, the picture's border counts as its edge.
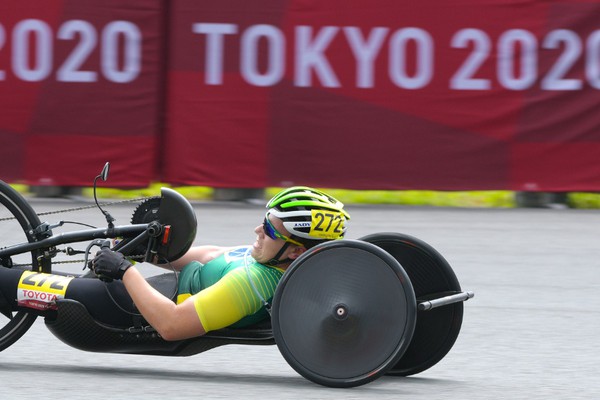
(385, 95)
(355, 94)
(80, 85)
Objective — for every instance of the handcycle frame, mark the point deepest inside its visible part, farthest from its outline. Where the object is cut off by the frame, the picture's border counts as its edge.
(387, 303)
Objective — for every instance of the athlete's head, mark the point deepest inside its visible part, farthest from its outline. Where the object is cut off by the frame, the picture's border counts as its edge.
(311, 216)
(297, 219)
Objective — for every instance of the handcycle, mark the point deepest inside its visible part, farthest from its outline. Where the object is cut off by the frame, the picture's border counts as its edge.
(345, 313)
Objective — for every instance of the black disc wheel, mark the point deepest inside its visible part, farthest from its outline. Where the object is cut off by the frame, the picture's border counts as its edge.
(431, 277)
(17, 220)
(343, 313)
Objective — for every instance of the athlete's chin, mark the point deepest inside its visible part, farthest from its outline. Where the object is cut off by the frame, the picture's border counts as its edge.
(255, 253)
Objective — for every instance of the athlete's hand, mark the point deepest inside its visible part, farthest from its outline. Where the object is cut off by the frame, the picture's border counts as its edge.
(110, 264)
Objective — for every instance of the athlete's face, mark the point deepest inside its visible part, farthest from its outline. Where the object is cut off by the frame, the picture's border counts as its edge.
(266, 248)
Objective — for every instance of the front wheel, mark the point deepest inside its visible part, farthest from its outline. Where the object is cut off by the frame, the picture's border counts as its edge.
(343, 313)
(17, 220)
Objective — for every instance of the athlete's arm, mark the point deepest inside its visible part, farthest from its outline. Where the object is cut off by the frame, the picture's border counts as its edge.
(202, 254)
(172, 321)
(232, 298)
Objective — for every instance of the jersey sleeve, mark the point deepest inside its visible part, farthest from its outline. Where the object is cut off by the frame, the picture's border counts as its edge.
(227, 301)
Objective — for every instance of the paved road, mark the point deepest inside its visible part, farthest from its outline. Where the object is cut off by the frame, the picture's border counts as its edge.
(531, 332)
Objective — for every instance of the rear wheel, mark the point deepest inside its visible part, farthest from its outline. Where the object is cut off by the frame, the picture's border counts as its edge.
(432, 277)
(343, 313)
(17, 220)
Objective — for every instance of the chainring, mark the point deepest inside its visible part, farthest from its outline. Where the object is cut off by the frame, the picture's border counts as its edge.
(144, 213)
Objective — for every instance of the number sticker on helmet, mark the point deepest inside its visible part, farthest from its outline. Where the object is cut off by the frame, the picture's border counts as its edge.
(327, 224)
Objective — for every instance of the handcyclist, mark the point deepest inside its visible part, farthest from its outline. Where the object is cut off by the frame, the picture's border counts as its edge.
(231, 286)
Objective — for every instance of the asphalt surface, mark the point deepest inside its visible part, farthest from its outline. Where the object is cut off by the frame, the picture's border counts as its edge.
(531, 332)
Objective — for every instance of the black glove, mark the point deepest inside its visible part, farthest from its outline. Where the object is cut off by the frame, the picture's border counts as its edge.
(110, 264)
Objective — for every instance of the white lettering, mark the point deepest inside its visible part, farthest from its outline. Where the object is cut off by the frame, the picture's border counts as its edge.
(132, 63)
(556, 79)
(309, 56)
(70, 71)
(464, 78)
(315, 55)
(592, 62)
(424, 63)
(365, 52)
(23, 66)
(32, 53)
(508, 59)
(2, 41)
(275, 56)
(214, 48)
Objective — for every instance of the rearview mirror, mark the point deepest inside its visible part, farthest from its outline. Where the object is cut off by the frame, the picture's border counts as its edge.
(104, 173)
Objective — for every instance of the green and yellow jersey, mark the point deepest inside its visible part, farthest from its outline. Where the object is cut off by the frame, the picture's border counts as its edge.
(222, 293)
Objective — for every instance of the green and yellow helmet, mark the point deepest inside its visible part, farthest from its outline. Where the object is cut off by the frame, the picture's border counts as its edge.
(310, 215)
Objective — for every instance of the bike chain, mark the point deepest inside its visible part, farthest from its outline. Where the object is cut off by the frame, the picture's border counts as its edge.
(140, 199)
(85, 207)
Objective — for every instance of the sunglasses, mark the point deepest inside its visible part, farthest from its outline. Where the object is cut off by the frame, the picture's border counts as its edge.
(274, 234)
